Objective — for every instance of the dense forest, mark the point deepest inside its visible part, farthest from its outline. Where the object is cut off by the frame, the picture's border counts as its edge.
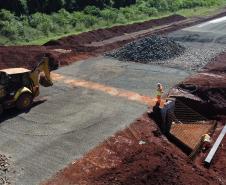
(27, 20)
(20, 7)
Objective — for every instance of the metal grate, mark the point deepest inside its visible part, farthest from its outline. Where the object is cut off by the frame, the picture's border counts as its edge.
(190, 134)
(185, 114)
(188, 126)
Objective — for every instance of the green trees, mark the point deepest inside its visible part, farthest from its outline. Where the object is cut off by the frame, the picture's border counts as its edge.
(17, 6)
(45, 6)
(174, 5)
(20, 7)
(92, 10)
(109, 15)
(8, 24)
(123, 3)
(42, 23)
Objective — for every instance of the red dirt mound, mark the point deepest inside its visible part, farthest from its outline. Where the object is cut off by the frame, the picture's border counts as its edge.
(30, 56)
(25, 56)
(136, 155)
(103, 34)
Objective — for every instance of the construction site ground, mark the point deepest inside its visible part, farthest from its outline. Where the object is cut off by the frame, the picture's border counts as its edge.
(89, 102)
(137, 155)
(75, 118)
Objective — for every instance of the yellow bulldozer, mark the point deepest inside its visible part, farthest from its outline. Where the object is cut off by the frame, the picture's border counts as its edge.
(19, 86)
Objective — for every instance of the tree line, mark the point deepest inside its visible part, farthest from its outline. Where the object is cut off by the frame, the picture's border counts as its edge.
(20, 7)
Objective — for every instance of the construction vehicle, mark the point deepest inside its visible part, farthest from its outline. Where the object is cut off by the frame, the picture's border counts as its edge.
(19, 86)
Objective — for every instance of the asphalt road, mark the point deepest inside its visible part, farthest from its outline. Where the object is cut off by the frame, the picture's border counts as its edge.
(74, 119)
(213, 31)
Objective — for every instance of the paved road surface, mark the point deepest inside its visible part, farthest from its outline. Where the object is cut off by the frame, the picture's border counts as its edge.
(211, 31)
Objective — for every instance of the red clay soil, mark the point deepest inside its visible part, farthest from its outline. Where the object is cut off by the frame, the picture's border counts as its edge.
(21, 56)
(123, 159)
(30, 56)
(220, 160)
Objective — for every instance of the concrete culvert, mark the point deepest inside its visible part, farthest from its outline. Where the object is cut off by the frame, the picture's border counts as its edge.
(148, 49)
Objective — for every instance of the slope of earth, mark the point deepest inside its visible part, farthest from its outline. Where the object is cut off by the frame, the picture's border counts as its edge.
(25, 56)
(137, 155)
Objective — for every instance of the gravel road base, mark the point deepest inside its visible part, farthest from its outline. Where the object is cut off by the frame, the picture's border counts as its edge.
(196, 56)
(6, 170)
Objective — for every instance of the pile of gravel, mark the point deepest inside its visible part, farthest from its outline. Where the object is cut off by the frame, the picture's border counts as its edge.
(4, 169)
(148, 49)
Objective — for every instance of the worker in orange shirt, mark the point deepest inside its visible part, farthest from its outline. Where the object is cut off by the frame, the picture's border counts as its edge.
(159, 93)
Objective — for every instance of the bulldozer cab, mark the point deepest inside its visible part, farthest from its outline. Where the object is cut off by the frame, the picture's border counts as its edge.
(19, 86)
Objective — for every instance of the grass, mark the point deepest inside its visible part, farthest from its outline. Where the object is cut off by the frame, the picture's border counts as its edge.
(199, 11)
(44, 40)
